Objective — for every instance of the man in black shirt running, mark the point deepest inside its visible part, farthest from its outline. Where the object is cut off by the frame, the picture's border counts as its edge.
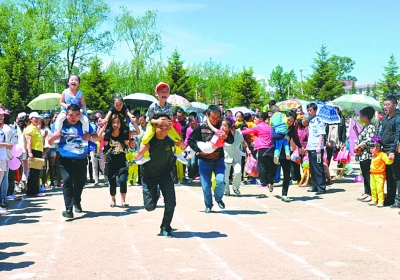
(157, 175)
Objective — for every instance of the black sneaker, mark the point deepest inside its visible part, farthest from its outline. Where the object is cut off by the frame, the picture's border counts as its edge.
(164, 232)
(78, 208)
(221, 204)
(68, 214)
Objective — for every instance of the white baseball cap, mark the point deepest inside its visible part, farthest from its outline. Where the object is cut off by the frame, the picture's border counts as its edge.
(34, 115)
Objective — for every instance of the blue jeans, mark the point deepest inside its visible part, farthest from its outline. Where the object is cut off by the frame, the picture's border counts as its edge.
(205, 169)
(192, 166)
(4, 186)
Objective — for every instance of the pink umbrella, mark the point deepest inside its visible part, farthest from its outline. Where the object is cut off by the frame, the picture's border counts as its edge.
(179, 101)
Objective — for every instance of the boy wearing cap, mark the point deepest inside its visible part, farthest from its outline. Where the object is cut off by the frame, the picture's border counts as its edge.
(130, 160)
(161, 107)
(378, 173)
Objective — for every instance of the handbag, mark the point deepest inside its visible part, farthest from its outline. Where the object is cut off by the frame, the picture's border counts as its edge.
(344, 156)
(251, 166)
(36, 163)
(295, 156)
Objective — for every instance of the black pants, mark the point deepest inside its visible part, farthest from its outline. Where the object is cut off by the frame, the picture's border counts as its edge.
(266, 168)
(263, 170)
(121, 180)
(33, 176)
(392, 178)
(139, 180)
(151, 194)
(318, 180)
(286, 165)
(90, 167)
(174, 172)
(365, 166)
(296, 171)
(73, 173)
(329, 154)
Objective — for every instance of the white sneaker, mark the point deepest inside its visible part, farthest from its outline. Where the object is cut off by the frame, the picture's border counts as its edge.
(17, 189)
(181, 158)
(189, 153)
(3, 211)
(379, 205)
(372, 203)
(142, 161)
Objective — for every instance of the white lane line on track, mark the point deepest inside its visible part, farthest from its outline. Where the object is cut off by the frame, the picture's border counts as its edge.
(219, 261)
(9, 217)
(345, 215)
(336, 238)
(55, 247)
(269, 242)
(135, 263)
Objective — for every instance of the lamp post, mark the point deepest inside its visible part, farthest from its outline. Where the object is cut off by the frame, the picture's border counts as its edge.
(301, 82)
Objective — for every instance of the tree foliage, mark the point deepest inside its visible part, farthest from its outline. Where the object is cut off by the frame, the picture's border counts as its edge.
(177, 77)
(325, 83)
(390, 84)
(79, 23)
(246, 91)
(141, 37)
(96, 87)
(282, 82)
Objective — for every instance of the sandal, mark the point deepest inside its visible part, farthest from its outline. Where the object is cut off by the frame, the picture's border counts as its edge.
(124, 205)
(364, 196)
(367, 199)
(271, 187)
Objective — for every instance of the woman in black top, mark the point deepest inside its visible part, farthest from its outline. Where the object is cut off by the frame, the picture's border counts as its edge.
(286, 163)
(115, 143)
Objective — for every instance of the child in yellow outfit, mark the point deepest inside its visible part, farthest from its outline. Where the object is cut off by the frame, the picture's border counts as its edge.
(378, 173)
(161, 107)
(130, 160)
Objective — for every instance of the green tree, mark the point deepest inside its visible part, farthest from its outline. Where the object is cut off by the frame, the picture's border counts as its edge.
(282, 82)
(96, 87)
(17, 66)
(368, 91)
(390, 84)
(325, 83)
(79, 24)
(142, 38)
(177, 77)
(211, 82)
(246, 91)
(353, 89)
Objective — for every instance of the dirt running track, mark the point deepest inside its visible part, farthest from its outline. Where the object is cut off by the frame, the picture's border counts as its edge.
(330, 236)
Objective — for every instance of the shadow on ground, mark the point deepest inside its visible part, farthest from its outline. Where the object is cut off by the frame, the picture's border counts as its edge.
(9, 266)
(191, 234)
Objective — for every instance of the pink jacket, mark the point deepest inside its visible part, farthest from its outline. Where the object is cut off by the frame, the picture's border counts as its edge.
(262, 131)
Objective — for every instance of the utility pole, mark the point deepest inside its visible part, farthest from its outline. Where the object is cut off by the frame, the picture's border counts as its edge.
(301, 82)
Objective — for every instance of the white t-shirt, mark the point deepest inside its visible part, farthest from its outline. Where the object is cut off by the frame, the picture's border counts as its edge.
(6, 136)
(316, 128)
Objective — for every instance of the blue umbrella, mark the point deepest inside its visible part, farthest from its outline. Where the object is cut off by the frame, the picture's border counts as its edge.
(327, 113)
